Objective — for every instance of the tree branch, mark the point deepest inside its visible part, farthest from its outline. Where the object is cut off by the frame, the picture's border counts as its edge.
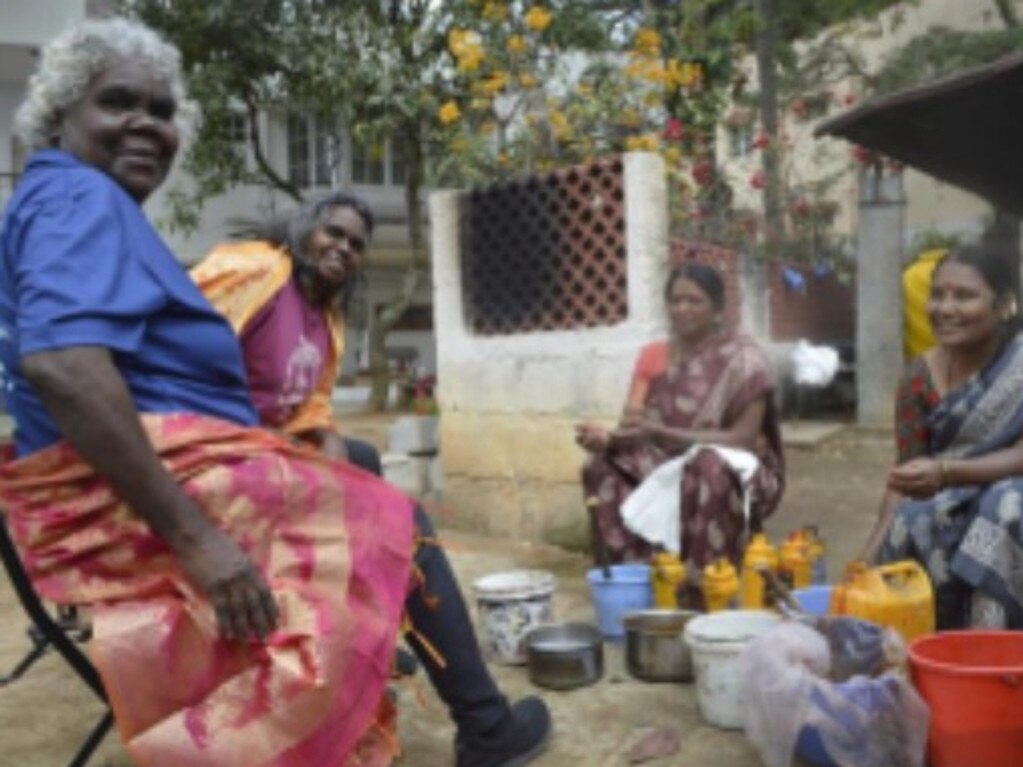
(276, 180)
(1007, 12)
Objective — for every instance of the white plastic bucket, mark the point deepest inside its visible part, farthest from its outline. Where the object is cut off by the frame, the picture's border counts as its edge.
(716, 641)
(510, 605)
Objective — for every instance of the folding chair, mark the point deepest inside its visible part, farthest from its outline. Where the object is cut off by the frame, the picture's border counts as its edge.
(45, 633)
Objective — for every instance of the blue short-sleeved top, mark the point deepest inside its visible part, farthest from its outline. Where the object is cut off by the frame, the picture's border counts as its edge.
(81, 266)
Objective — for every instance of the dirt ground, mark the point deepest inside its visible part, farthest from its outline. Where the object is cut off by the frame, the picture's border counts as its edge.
(834, 483)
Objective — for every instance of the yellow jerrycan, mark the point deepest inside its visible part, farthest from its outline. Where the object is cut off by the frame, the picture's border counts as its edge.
(720, 585)
(794, 565)
(668, 574)
(759, 553)
(899, 595)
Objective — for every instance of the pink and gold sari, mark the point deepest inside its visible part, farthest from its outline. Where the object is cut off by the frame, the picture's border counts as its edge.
(334, 543)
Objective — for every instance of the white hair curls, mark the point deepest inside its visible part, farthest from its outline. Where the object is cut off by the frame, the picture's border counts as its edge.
(71, 60)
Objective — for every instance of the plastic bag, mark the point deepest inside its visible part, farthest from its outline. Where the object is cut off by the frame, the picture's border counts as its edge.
(861, 647)
(873, 719)
(814, 365)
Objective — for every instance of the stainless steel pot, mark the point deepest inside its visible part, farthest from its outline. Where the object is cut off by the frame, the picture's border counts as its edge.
(564, 656)
(654, 650)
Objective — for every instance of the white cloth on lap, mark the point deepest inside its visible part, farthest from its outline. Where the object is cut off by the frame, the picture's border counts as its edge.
(653, 510)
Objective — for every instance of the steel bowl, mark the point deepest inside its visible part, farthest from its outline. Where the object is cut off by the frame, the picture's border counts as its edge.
(564, 656)
(654, 650)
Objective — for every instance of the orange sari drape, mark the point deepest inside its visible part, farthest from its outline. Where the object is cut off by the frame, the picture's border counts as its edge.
(334, 543)
(239, 278)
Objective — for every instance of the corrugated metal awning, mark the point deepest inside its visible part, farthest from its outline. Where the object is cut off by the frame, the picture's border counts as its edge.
(966, 129)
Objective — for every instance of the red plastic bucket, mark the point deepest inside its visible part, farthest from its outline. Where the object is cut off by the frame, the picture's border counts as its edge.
(973, 683)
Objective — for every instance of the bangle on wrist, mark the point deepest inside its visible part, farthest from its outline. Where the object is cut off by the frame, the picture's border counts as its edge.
(943, 474)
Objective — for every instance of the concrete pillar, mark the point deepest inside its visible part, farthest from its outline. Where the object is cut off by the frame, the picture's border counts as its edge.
(879, 240)
(755, 297)
(646, 237)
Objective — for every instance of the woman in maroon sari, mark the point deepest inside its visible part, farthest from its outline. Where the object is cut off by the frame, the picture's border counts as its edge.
(703, 389)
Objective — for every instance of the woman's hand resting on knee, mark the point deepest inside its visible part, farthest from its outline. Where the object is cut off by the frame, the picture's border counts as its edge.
(591, 437)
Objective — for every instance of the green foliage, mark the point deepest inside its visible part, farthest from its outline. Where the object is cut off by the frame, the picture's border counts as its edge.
(578, 86)
(932, 239)
(941, 52)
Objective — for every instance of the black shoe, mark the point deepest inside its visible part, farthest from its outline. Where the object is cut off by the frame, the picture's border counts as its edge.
(520, 738)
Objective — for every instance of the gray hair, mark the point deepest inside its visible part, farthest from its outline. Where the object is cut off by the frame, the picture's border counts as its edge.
(75, 57)
(292, 229)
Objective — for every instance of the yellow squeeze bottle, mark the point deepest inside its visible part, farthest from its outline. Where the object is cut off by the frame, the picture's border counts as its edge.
(794, 566)
(668, 575)
(815, 550)
(720, 585)
(759, 553)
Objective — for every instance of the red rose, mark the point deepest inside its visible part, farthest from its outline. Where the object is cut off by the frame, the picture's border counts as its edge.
(799, 207)
(703, 172)
(862, 155)
(673, 129)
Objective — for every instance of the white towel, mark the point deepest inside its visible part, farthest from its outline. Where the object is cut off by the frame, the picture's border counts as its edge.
(653, 510)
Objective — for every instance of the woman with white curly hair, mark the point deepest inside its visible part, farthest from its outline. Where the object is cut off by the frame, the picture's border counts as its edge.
(246, 592)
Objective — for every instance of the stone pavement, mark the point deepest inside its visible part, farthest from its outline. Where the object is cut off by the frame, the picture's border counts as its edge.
(836, 484)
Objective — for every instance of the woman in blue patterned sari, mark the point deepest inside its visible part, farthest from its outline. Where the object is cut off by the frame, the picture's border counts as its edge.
(955, 498)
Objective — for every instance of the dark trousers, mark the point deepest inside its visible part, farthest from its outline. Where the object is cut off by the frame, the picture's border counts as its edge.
(363, 455)
(438, 612)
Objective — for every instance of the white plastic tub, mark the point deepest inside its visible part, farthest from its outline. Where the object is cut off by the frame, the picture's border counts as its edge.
(716, 641)
(510, 605)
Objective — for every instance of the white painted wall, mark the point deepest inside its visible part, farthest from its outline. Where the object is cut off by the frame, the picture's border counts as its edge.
(576, 373)
(508, 403)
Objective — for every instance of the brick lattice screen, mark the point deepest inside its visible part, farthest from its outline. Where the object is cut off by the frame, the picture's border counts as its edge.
(546, 252)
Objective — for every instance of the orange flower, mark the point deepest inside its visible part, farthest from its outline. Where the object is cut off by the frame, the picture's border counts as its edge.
(537, 18)
(493, 11)
(471, 59)
(646, 142)
(516, 44)
(449, 113)
(647, 41)
(465, 46)
(691, 74)
(494, 84)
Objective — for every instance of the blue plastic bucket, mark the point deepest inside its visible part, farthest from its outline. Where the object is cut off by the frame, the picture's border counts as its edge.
(814, 600)
(627, 590)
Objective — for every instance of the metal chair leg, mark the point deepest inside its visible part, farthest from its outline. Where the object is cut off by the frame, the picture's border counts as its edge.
(40, 644)
(92, 742)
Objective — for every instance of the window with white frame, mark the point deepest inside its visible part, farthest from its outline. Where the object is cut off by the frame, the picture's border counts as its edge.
(313, 150)
(379, 163)
(237, 128)
(318, 150)
(368, 162)
(740, 140)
